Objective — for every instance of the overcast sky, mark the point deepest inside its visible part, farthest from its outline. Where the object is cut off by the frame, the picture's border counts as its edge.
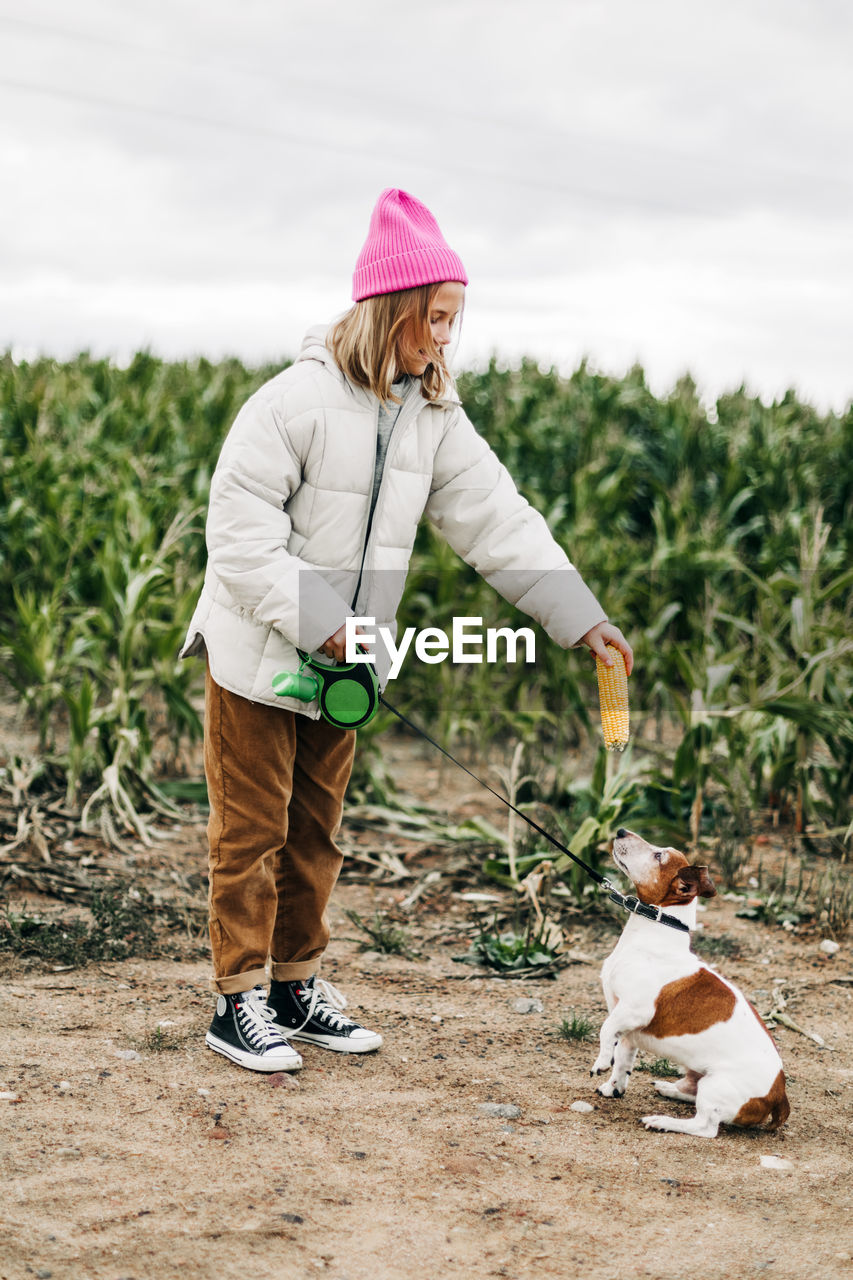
(663, 181)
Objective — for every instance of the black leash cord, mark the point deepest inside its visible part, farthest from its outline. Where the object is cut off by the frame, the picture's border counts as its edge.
(590, 871)
(628, 901)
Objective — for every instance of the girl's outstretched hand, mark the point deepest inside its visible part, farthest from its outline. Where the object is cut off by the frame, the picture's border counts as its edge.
(603, 634)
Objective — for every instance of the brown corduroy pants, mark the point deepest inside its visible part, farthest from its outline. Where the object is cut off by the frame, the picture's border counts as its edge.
(276, 781)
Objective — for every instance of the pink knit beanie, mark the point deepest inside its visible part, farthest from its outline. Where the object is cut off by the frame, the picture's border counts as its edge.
(404, 248)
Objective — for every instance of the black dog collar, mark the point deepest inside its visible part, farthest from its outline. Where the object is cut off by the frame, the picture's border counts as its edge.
(646, 910)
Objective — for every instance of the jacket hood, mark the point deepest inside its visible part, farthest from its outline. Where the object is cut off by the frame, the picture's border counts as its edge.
(314, 348)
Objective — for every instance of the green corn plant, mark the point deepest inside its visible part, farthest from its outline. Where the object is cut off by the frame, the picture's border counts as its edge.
(43, 644)
(717, 536)
(609, 798)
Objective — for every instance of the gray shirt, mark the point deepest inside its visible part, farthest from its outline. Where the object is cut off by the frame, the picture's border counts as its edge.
(389, 412)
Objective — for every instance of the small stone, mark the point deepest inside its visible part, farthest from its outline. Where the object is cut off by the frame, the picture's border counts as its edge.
(128, 1055)
(526, 1005)
(436, 1018)
(281, 1080)
(44, 1273)
(585, 1107)
(500, 1110)
(69, 1153)
(8, 1096)
(829, 947)
(202, 1093)
(219, 1132)
(64, 1086)
(775, 1162)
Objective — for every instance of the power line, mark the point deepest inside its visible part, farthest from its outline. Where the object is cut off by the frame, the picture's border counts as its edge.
(497, 127)
(497, 124)
(85, 37)
(166, 113)
(348, 151)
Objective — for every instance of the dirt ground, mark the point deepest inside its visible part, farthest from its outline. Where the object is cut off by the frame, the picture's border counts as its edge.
(131, 1151)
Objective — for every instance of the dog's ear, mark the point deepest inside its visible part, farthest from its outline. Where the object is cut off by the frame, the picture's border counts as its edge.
(689, 883)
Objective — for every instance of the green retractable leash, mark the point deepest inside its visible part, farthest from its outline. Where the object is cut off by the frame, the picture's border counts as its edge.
(348, 692)
(349, 698)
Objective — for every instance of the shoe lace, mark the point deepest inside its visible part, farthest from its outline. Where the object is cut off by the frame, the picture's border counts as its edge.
(325, 1003)
(257, 1019)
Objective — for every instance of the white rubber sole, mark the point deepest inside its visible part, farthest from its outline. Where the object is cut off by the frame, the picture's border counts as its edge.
(364, 1044)
(275, 1060)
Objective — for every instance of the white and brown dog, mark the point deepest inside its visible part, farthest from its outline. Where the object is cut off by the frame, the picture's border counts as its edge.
(662, 999)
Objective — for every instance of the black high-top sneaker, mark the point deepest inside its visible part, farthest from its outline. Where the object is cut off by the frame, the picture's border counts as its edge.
(310, 1011)
(244, 1031)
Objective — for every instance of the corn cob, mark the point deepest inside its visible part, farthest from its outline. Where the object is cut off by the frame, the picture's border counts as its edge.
(613, 697)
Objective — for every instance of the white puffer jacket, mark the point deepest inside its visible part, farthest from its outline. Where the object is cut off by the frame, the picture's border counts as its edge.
(289, 556)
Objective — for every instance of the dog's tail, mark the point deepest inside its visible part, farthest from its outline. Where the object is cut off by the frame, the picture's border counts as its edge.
(781, 1107)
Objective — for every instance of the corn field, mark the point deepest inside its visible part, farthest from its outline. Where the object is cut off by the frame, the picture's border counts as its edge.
(719, 541)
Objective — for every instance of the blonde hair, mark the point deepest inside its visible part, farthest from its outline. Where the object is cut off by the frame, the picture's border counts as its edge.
(365, 342)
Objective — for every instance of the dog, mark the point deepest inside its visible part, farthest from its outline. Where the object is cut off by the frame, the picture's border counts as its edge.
(662, 999)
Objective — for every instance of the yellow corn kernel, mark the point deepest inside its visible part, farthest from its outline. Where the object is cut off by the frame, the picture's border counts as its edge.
(613, 697)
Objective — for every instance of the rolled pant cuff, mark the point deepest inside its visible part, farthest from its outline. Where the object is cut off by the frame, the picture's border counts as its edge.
(236, 982)
(296, 972)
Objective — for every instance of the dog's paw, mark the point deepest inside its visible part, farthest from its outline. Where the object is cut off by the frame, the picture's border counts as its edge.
(610, 1089)
(697, 1127)
(657, 1122)
(670, 1089)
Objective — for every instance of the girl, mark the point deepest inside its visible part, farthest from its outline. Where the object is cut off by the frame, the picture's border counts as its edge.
(314, 507)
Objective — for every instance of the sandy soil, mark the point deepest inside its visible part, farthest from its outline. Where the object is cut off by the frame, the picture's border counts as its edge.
(132, 1152)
